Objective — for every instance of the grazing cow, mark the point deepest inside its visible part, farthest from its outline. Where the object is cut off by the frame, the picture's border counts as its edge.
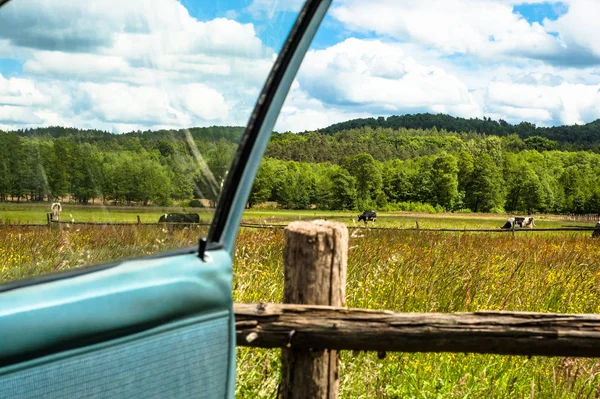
(596, 232)
(368, 216)
(527, 223)
(522, 222)
(56, 209)
(184, 218)
(509, 223)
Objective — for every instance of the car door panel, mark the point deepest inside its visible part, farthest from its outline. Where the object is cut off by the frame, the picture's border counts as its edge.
(139, 307)
(183, 359)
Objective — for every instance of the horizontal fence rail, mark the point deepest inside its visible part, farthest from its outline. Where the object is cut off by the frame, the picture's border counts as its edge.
(508, 333)
(283, 226)
(440, 229)
(129, 223)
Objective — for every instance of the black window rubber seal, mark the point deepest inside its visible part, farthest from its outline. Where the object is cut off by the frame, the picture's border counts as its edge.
(263, 104)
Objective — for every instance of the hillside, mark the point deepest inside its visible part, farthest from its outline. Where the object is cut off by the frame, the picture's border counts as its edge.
(580, 136)
(229, 133)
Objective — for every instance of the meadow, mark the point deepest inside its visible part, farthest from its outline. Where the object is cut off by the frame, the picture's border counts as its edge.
(396, 270)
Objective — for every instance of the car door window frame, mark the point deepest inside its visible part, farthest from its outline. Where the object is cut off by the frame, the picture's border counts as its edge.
(240, 178)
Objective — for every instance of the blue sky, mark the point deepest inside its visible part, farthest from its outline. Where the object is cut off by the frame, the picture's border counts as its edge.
(537, 12)
(149, 64)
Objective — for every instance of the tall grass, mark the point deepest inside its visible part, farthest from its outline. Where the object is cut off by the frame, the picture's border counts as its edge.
(397, 270)
(28, 251)
(440, 272)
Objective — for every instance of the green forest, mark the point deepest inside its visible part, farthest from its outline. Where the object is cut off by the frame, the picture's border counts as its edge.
(449, 166)
(572, 137)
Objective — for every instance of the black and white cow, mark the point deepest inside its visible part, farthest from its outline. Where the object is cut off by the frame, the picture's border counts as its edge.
(522, 222)
(56, 209)
(368, 216)
(184, 218)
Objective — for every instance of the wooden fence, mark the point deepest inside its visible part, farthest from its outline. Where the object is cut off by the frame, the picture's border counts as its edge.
(313, 325)
(275, 226)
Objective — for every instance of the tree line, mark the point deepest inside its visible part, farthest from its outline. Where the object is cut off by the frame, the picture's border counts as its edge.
(88, 166)
(427, 170)
(478, 181)
(572, 137)
(359, 168)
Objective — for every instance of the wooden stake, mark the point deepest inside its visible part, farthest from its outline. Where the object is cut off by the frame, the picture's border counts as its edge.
(315, 259)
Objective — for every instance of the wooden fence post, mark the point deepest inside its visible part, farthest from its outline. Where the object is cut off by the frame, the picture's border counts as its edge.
(315, 259)
(139, 220)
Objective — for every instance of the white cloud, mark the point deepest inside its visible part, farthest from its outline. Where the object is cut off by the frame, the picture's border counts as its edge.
(52, 118)
(379, 76)
(302, 112)
(204, 102)
(515, 114)
(362, 78)
(216, 37)
(68, 66)
(579, 29)
(10, 114)
(482, 27)
(141, 64)
(537, 78)
(70, 25)
(566, 103)
(488, 29)
(121, 103)
(20, 92)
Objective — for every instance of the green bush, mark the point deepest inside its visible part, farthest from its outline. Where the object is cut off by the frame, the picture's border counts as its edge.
(195, 203)
(498, 209)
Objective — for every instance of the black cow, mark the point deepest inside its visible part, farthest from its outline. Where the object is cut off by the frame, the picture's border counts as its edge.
(596, 232)
(368, 216)
(184, 218)
(523, 222)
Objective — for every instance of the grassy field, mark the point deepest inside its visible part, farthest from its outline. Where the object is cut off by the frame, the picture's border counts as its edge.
(36, 213)
(26, 213)
(396, 270)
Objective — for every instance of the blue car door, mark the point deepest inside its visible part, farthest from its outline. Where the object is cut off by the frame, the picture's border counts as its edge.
(155, 327)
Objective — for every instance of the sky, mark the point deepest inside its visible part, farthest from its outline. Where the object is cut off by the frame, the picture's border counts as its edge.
(152, 64)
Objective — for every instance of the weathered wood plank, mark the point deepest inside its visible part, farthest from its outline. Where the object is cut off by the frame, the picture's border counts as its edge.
(321, 327)
(315, 257)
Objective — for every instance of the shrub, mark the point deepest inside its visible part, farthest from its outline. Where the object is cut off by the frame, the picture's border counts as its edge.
(195, 203)
(498, 210)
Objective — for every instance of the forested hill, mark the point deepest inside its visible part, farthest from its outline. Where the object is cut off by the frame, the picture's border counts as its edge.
(582, 136)
(229, 133)
(568, 137)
